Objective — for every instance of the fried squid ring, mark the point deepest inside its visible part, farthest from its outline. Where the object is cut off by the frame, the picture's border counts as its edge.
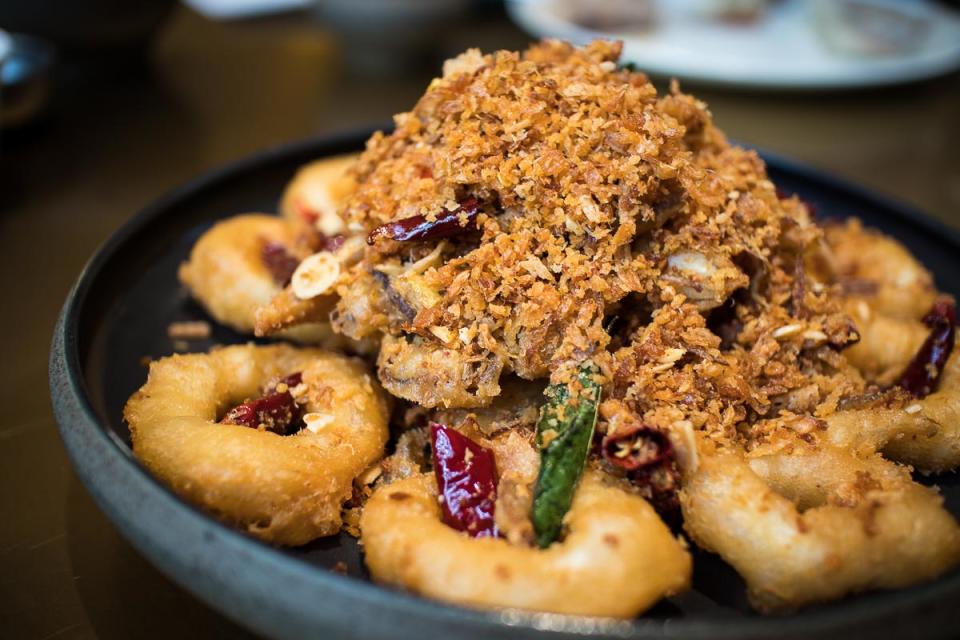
(817, 524)
(924, 433)
(311, 295)
(316, 192)
(617, 559)
(311, 203)
(228, 275)
(886, 346)
(285, 490)
(881, 271)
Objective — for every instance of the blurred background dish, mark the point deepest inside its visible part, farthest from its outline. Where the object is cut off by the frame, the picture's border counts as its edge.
(776, 44)
(5, 44)
(25, 67)
(87, 24)
(384, 35)
(236, 9)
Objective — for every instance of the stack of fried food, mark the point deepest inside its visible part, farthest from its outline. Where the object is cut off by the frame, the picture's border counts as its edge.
(585, 330)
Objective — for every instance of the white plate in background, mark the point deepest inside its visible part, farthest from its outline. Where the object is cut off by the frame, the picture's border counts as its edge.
(782, 50)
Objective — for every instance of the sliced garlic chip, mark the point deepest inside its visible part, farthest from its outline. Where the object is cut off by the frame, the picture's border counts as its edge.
(329, 223)
(315, 276)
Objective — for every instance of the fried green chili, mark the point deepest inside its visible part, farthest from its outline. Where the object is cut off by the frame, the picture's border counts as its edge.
(564, 434)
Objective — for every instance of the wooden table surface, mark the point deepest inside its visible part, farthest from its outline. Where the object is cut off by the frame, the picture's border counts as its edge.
(119, 133)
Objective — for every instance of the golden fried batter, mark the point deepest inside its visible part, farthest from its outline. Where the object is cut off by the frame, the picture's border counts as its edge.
(283, 489)
(818, 523)
(226, 273)
(598, 570)
(315, 195)
(879, 270)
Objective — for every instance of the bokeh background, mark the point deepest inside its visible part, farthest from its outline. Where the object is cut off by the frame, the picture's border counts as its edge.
(107, 104)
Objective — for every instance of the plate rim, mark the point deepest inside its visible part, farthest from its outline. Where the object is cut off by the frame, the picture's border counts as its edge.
(117, 482)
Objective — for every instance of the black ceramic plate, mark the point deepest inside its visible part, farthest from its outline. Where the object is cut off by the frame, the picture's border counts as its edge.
(118, 313)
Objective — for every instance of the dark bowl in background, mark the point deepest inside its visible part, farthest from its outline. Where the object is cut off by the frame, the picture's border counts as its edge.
(87, 24)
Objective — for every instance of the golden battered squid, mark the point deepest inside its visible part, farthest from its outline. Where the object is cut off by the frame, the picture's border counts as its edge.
(617, 559)
(315, 194)
(922, 432)
(879, 270)
(886, 345)
(886, 291)
(817, 523)
(279, 466)
(311, 294)
(241, 264)
(311, 203)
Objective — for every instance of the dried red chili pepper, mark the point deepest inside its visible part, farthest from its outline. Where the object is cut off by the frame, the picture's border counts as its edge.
(447, 223)
(648, 457)
(279, 261)
(290, 381)
(467, 480)
(923, 373)
(276, 410)
(638, 447)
